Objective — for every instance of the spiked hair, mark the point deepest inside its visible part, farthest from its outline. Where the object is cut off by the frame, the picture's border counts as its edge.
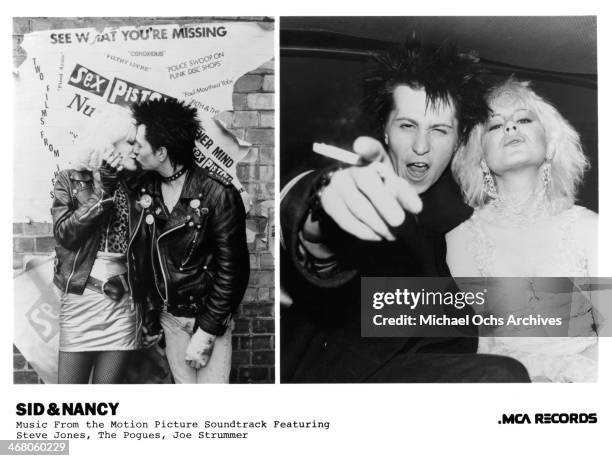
(171, 124)
(447, 76)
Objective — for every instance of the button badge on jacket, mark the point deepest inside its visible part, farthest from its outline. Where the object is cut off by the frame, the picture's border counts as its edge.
(145, 201)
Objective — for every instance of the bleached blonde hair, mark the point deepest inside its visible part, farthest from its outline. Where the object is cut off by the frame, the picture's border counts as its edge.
(568, 163)
(109, 127)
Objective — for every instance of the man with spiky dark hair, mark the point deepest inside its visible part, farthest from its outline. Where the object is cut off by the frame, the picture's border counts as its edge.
(447, 76)
(170, 124)
(194, 224)
(361, 221)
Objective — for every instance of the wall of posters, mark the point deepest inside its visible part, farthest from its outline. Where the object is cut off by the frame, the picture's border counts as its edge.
(73, 78)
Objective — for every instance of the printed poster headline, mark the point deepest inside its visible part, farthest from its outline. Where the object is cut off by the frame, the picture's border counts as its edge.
(139, 34)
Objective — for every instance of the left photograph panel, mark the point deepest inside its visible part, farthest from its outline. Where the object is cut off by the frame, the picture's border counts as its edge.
(143, 214)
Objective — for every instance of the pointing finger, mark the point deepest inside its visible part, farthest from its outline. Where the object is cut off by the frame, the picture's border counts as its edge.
(371, 182)
(406, 195)
(369, 149)
(334, 205)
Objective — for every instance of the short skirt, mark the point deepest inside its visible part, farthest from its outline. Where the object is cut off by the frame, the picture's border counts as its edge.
(94, 322)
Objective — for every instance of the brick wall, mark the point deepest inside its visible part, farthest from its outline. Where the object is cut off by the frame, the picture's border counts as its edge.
(253, 120)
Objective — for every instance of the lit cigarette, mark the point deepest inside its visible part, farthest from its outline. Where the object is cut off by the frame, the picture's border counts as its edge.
(336, 153)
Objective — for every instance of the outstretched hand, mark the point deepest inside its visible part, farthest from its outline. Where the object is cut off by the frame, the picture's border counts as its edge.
(366, 200)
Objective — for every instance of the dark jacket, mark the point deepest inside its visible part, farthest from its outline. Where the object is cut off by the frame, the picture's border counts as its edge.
(320, 333)
(199, 251)
(78, 209)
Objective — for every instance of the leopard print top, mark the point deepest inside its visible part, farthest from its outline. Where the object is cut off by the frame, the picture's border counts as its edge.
(114, 236)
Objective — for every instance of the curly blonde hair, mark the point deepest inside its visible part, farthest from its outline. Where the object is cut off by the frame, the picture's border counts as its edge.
(568, 163)
(108, 128)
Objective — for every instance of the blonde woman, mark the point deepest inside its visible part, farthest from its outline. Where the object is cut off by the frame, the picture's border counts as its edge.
(94, 223)
(520, 171)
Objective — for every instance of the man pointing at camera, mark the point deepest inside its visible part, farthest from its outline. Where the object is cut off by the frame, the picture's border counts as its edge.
(385, 217)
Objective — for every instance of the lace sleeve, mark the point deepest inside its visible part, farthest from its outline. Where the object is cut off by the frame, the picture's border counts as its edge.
(480, 246)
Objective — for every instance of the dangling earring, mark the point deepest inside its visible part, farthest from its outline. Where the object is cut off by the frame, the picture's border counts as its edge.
(489, 183)
(386, 139)
(547, 167)
(546, 174)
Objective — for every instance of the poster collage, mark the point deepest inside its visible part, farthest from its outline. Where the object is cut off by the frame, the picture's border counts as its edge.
(301, 201)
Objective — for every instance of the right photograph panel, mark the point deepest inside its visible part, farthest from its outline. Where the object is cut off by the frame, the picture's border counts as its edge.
(438, 211)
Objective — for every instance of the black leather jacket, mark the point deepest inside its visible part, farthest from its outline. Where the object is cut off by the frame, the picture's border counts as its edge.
(321, 332)
(198, 251)
(77, 211)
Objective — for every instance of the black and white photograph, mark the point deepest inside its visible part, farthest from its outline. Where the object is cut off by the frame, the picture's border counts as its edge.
(144, 200)
(384, 224)
(436, 147)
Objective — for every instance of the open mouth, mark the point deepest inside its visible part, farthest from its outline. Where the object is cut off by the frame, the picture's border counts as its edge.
(417, 170)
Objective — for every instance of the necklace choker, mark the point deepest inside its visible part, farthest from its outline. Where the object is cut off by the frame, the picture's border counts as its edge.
(175, 176)
(519, 213)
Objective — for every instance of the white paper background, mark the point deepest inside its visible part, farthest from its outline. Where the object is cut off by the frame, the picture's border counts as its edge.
(368, 421)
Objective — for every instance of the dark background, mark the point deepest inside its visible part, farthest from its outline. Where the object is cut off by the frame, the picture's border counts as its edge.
(323, 59)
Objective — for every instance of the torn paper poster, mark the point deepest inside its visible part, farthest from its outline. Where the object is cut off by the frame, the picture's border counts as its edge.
(72, 77)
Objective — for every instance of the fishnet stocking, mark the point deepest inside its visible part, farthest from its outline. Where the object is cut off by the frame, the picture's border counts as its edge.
(108, 367)
(74, 367)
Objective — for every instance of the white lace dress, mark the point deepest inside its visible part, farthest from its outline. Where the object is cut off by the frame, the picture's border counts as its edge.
(507, 251)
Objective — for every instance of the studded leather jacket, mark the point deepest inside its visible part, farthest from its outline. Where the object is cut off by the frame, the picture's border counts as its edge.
(78, 210)
(200, 260)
